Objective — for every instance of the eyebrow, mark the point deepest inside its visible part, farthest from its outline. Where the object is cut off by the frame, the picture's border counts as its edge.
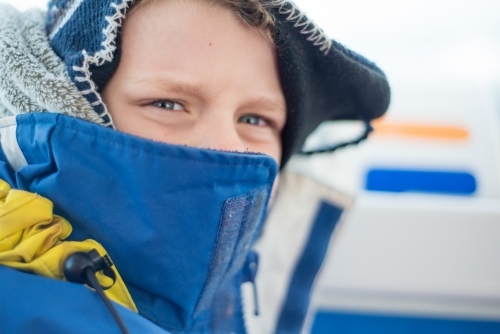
(183, 87)
(172, 85)
(264, 103)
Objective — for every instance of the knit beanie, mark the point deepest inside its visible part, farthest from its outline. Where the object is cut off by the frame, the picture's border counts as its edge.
(321, 79)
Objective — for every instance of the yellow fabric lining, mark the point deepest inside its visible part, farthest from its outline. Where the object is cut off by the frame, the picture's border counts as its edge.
(32, 240)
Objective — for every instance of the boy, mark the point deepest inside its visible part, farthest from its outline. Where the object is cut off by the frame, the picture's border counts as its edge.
(232, 86)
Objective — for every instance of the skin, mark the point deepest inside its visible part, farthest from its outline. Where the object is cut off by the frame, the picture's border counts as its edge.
(195, 74)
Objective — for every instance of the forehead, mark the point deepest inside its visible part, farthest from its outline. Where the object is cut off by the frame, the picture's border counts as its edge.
(194, 39)
(251, 12)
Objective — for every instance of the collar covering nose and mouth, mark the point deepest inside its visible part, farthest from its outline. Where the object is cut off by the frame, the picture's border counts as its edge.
(178, 222)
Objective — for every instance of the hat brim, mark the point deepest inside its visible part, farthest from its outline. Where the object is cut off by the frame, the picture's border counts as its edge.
(321, 79)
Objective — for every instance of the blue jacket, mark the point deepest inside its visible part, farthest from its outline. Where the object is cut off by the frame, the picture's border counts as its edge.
(178, 223)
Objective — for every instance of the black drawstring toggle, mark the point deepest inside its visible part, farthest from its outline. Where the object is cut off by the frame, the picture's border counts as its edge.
(82, 267)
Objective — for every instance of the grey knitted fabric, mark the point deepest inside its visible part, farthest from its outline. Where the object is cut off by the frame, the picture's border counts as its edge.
(32, 77)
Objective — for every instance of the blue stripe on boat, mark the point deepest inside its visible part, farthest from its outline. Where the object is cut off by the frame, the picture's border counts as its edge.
(429, 181)
(336, 322)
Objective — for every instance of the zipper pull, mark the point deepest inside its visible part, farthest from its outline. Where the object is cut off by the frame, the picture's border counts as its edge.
(251, 267)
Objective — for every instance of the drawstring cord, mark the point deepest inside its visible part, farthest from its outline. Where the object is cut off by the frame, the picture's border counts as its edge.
(81, 267)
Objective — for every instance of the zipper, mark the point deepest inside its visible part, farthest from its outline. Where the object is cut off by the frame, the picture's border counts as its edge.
(249, 275)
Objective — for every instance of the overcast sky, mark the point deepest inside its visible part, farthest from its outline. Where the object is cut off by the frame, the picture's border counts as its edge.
(446, 39)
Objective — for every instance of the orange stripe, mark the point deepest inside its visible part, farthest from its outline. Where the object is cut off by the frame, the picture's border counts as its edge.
(422, 131)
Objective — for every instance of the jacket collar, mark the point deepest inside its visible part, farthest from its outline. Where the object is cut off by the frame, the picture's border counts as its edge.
(177, 221)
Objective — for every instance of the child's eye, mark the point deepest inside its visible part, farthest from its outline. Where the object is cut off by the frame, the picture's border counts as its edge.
(253, 120)
(169, 105)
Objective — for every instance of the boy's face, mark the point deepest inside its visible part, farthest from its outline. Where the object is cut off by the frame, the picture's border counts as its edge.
(194, 74)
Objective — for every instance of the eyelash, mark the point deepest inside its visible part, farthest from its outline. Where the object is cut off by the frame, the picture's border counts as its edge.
(267, 121)
(162, 104)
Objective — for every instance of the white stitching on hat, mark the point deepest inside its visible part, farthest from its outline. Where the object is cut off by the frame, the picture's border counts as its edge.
(316, 35)
(104, 55)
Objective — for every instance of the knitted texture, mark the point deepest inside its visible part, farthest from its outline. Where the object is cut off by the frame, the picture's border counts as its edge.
(33, 78)
(84, 33)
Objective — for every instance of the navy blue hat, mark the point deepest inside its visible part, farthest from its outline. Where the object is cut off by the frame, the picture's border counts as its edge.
(322, 80)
